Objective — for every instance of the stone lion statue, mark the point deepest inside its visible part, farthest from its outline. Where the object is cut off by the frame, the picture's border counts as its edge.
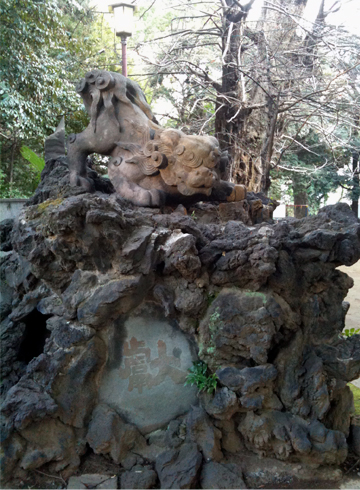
(149, 165)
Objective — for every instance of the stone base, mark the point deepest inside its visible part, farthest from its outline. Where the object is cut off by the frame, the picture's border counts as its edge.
(93, 481)
(268, 472)
(261, 303)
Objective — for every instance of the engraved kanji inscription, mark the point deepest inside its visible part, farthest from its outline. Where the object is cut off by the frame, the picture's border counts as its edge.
(139, 368)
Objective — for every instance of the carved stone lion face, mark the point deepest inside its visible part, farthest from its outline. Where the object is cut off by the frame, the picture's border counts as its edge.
(191, 161)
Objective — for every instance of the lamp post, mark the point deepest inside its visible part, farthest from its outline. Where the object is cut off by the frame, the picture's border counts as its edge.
(123, 16)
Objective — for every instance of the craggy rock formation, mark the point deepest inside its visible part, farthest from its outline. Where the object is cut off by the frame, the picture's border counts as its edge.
(262, 303)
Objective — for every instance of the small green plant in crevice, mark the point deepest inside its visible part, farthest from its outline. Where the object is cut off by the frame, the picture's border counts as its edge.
(214, 320)
(198, 376)
(349, 332)
(210, 297)
(193, 216)
(214, 323)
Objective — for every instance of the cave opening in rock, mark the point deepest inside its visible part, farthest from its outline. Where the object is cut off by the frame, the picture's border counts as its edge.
(160, 268)
(35, 335)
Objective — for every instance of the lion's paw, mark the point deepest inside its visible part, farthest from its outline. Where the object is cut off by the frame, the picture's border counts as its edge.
(157, 198)
(84, 182)
(238, 193)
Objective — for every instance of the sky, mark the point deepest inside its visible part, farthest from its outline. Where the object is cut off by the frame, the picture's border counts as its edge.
(348, 15)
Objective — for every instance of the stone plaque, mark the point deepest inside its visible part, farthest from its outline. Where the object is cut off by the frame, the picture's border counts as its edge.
(145, 375)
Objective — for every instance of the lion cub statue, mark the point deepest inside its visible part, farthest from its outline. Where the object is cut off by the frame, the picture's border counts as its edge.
(149, 165)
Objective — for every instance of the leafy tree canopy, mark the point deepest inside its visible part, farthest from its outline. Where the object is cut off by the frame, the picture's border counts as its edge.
(48, 45)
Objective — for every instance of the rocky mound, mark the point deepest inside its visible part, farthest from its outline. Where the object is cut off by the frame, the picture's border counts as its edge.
(107, 305)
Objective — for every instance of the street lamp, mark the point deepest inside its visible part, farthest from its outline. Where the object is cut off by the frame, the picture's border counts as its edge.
(123, 15)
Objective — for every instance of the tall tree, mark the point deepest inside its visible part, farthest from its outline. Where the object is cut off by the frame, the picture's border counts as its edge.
(270, 79)
(47, 46)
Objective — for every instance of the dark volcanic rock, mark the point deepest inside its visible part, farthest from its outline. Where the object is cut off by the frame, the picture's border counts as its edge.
(109, 434)
(172, 438)
(26, 402)
(241, 326)
(50, 440)
(222, 405)
(285, 436)
(342, 358)
(254, 385)
(264, 303)
(216, 475)
(93, 481)
(55, 181)
(201, 430)
(74, 405)
(238, 211)
(355, 436)
(139, 477)
(231, 440)
(113, 299)
(179, 468)
(11, 335)
(12, 451)
(247, 379)
(6, 226)
(181, 255)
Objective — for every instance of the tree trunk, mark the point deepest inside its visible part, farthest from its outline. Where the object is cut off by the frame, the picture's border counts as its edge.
(11, 175)
(231, 110)
(300, 197)
(267, 148)
(249, 144)
(356, 188)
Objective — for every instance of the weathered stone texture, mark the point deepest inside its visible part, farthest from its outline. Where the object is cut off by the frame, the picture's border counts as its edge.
(179, 468)
(284, 436)
(109, 434)
(262, 302)
(355, 436)
(93, 481)
(148, 364)
(215, 475)
(139, 477)
(201, 430)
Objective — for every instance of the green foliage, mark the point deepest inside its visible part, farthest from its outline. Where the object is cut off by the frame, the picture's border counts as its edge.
(214, 320)
(210, 297)
(37, 72)
(306, 171)
(37, 163)
(356, 394)
(349, 332)
(47, 47)
(276, 188)
(36, 84)
(198, 375)
(25, 182)
(213, 325)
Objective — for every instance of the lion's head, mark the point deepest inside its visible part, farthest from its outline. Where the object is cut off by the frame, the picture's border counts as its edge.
(191, 161)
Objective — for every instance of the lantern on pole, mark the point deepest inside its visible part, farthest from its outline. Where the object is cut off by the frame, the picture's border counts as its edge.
(124, 18)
